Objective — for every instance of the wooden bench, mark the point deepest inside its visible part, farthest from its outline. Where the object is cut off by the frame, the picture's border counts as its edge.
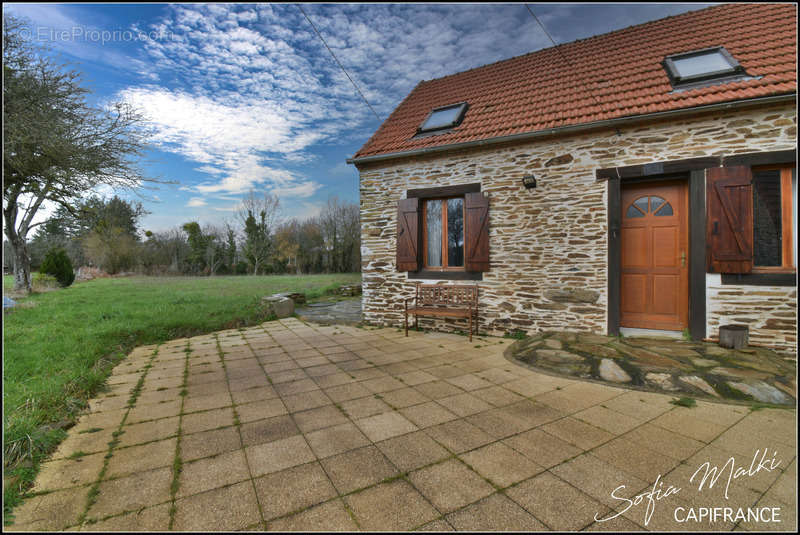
(444, 301)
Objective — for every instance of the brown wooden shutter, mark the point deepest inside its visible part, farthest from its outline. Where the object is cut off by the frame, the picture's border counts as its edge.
(476, 230)
(729, 230)
(408, 234)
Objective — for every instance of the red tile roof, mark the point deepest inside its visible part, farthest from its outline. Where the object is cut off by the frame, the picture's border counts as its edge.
(618, 74)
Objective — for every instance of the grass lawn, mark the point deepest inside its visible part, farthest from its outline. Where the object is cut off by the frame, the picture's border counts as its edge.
(59, 346)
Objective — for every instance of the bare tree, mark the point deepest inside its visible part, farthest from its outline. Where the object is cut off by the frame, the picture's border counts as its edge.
(258, 215)
(339, 224)
(215, 247)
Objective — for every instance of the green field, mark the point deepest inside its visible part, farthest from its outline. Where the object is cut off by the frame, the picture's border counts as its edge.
(59, 346)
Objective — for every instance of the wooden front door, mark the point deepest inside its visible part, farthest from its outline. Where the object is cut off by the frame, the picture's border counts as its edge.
(655, 264)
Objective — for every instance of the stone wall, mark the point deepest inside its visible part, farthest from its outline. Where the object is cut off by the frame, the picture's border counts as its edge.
(548, 246)
(769, 311)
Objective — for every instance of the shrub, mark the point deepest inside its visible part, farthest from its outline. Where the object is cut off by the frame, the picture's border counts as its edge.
(44, 281)
(57, 264)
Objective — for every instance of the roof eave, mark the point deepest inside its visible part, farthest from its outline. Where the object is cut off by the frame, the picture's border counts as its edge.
(574, 128)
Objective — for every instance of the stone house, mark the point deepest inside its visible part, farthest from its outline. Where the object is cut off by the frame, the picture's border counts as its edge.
(643, 178)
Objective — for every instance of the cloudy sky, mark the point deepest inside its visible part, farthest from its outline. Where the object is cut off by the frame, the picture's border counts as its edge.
(246, 96)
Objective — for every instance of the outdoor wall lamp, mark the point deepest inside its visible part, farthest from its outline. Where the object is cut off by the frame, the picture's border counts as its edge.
(529, 181)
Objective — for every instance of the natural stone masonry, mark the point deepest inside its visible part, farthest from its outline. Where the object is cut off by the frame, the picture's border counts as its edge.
(770, 312)
(668, 365)
(363, 435)
(548, 246)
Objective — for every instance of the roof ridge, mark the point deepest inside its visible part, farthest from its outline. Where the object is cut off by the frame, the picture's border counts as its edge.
(591, 37)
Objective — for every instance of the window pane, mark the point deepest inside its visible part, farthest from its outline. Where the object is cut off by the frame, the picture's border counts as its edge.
(434, 229)
(455, 232)
(633, 212)
(767, 247)
(703, 64)
(664, 210)
(442, 118)
(655, 202)
(641, 204)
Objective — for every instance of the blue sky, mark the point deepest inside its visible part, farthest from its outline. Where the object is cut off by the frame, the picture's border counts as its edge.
(245, 96)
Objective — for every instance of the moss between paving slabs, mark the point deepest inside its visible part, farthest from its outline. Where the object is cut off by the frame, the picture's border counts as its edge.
(665, 365)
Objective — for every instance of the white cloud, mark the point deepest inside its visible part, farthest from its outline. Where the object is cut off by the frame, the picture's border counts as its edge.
(231, 141)
(195, 202)
(303, 189)
(249, 93)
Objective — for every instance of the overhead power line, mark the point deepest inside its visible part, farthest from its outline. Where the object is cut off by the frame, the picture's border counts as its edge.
(339, 63)
(555, 45)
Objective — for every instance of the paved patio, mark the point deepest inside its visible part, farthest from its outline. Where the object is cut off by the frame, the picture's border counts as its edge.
(291, 426)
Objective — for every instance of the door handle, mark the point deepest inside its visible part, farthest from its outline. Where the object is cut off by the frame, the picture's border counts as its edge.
(683, 258)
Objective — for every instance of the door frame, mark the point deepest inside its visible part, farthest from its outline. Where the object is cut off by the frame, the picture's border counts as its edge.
(697, 248)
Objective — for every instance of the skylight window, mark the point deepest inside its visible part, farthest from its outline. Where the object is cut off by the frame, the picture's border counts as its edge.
(701, 65)
(442, 118)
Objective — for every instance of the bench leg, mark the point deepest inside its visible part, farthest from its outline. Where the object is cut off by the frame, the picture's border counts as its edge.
(406, 322)
(470, 327)
(416, 322)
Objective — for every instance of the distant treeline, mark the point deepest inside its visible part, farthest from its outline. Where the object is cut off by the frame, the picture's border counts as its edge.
(106, 233)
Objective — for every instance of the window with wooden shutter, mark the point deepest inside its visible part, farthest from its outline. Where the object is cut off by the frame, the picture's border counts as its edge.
(443, 232)
(729, 197)
(408, 234)
(476, 232)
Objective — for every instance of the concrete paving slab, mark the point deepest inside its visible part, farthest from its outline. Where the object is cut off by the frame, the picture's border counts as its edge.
(66, 473)
(131, 493)
(51, 512)
(501, 464)
(385, 425)
(542, 448)
(330, 516)
(459, 435)
(147, 432)
(143, 457)
(259, 410)
(428, 414)
(278, 455)
(154, 518)
(212, 472)
(395, 506)
(577, 432)
(206, 443)
(558, 504)
(412, 451)
(223, 509)
(494, 513)
(399, 405)
(364, 407)
(497, 396)
(293, 489)
(336, 439)
(450, 485)
(356, 469)
(319, 418)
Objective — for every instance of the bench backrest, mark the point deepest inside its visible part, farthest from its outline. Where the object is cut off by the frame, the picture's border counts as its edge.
(440, 294)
